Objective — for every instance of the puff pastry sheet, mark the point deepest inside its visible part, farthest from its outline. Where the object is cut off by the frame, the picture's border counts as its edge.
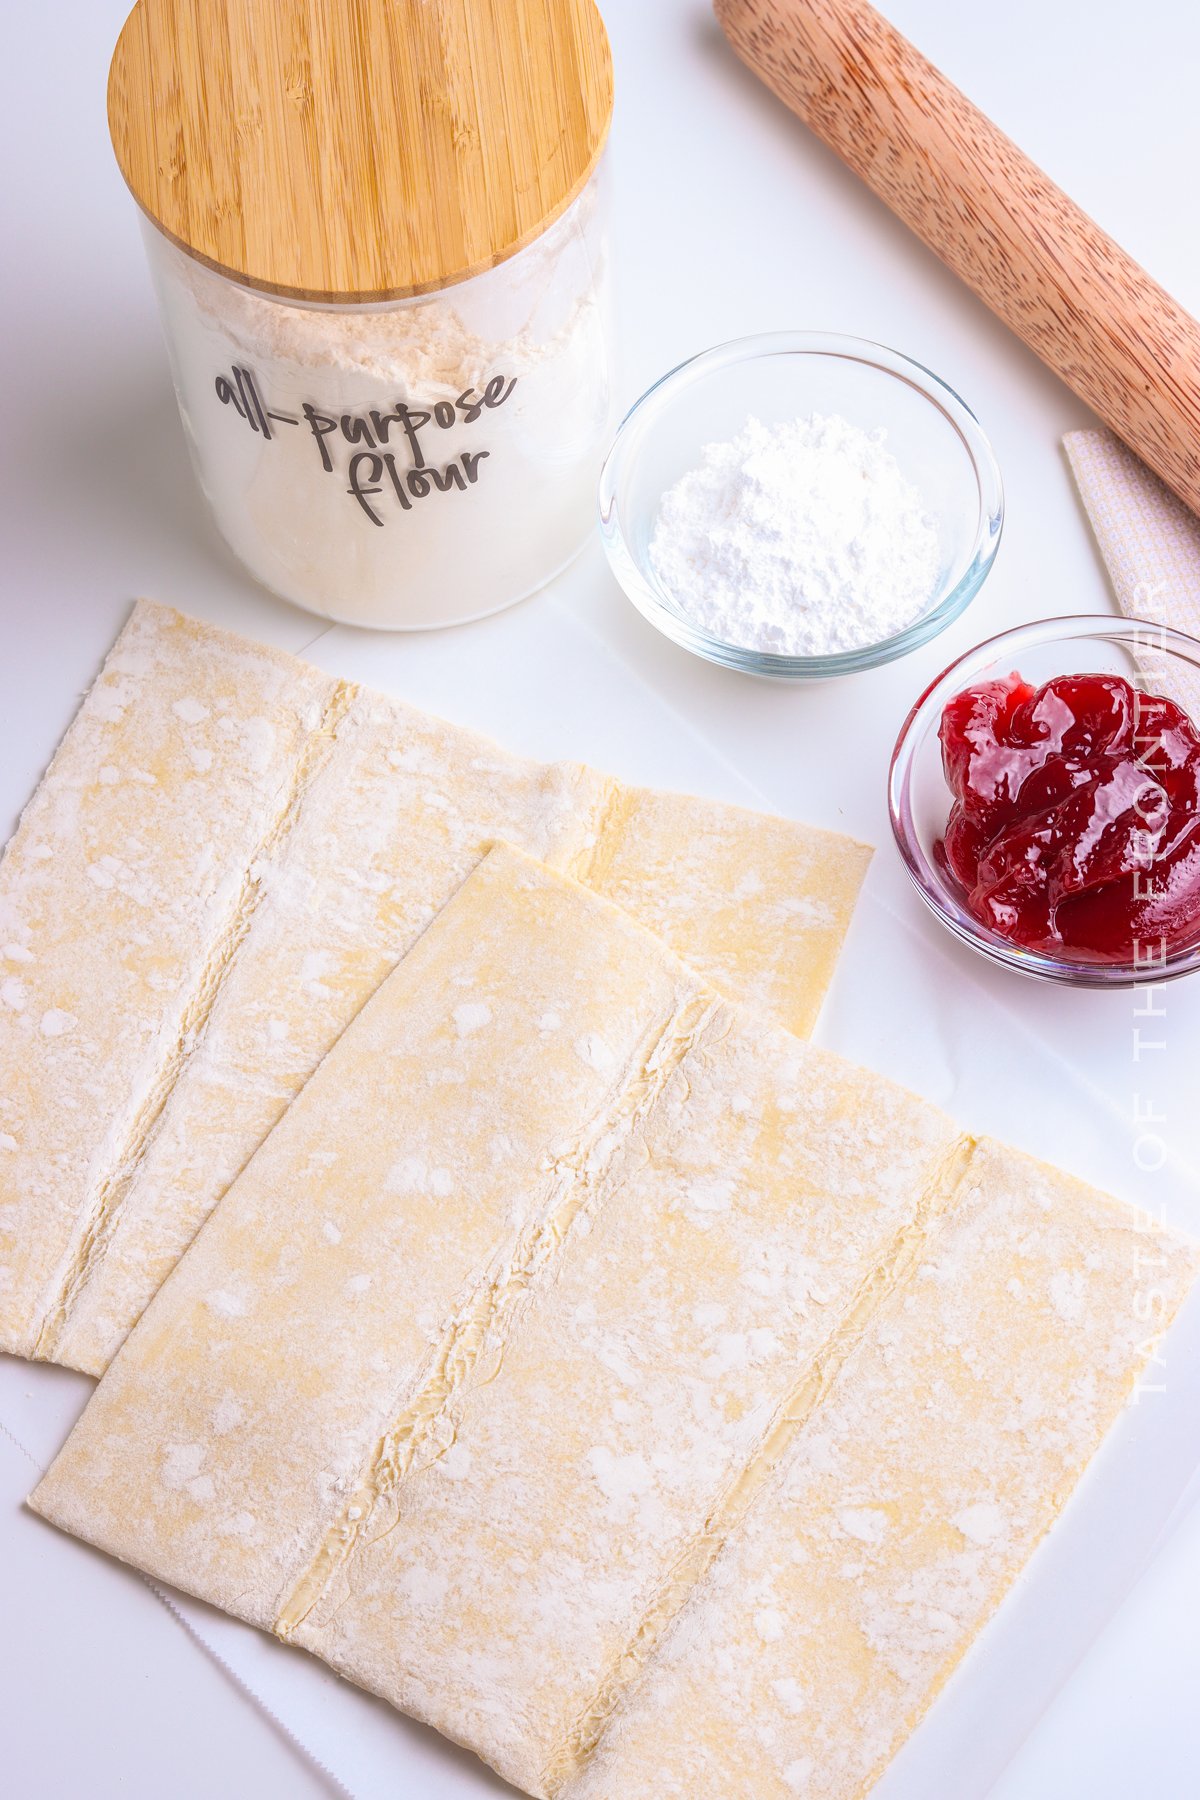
(228, 854)
(648, 1400)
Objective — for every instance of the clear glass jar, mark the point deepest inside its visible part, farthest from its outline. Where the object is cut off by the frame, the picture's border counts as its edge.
(407, 464)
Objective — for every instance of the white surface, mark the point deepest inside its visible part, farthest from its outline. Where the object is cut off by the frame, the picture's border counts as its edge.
(730, 220)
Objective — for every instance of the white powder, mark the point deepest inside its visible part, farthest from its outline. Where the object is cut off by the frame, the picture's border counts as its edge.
(803, 538)
(405, 465)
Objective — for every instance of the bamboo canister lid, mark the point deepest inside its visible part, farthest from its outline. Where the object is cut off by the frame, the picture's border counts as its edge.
(358, 150)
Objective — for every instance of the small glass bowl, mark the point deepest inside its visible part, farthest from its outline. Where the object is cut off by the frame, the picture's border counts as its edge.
(934, 436)
(1155, 659)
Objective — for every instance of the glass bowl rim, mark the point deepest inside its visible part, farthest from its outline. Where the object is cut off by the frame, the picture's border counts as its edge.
(643, 591)
(928, 880)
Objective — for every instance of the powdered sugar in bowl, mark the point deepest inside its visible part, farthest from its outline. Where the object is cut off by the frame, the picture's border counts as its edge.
(801, 505)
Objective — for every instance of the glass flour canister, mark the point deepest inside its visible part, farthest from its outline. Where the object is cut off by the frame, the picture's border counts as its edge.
(377, 234)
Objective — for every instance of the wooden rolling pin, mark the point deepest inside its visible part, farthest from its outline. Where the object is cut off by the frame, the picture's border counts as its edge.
(1089, 311)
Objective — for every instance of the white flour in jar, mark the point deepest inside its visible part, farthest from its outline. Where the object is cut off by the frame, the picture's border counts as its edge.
(407, 465)
(803, 538)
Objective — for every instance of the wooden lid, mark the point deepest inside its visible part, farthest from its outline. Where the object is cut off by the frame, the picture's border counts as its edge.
(358, 149)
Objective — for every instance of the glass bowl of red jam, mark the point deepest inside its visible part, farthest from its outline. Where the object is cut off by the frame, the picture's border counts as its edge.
(1045, 797)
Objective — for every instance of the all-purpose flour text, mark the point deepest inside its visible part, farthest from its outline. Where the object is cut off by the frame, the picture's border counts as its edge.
(388, 451)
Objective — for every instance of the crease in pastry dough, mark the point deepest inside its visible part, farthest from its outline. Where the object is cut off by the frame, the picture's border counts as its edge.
(423, 1430)
(762, 1465)
(589, 864)
(101, 1208)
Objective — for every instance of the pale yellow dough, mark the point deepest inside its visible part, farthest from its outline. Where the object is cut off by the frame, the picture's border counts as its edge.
(648, 1400)
(227, 856)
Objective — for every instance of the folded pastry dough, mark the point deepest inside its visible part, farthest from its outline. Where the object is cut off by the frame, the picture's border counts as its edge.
(228, 854)
(579, 1350)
